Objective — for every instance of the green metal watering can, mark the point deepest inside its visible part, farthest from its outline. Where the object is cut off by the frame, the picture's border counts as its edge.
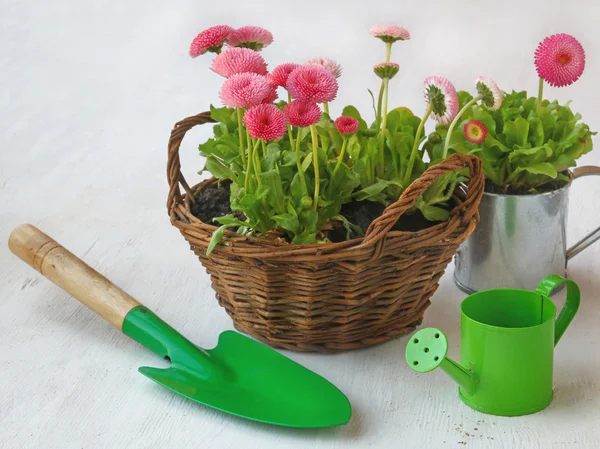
(507, 347)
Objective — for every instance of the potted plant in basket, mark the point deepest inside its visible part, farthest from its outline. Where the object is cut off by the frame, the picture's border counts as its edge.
(319, 233)
(527, 146)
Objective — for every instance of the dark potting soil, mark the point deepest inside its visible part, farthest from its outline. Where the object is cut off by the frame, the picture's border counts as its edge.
(490, 187)
(213, 201)
(362, 213)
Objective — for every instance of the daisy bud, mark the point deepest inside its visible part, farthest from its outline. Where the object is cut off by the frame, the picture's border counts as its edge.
(386, 69)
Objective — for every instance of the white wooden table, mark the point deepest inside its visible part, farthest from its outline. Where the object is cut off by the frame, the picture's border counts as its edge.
(88, 94)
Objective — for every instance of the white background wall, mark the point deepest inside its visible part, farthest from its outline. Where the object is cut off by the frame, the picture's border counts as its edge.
(89, 91)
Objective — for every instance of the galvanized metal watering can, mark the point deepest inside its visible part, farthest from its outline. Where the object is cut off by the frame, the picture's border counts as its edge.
(519, 239)
(506, 349)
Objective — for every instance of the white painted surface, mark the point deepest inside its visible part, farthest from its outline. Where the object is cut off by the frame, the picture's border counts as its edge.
(89, 92)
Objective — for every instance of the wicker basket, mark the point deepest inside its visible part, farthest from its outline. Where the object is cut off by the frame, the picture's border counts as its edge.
(328, 297)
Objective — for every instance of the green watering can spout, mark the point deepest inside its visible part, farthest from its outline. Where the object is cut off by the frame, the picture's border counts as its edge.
(427, 350)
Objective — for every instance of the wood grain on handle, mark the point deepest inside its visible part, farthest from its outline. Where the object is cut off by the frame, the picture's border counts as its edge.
(71, 274)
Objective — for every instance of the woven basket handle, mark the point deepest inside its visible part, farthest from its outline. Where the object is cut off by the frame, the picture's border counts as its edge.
(174, 176)
(382, 225)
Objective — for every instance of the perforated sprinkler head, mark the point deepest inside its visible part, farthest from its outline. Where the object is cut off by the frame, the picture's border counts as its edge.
(426, 349)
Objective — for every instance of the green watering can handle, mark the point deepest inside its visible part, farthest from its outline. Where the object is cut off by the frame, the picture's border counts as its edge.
(571, 304)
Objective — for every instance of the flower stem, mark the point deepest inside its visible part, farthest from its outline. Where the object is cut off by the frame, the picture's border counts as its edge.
(291, 136)
(379, 101)
(241, 133)
(257, 169)
(299, 161)
(326, 108)
(340, 158)
(249, 168)
(540, 91)
(388, 51)
(248, 139)
(315, 150)
(381, 166)
(455, 121)
(413, 153)
(289, 98)
(264, 148)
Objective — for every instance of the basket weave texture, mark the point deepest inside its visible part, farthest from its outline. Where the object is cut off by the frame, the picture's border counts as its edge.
(335, 296)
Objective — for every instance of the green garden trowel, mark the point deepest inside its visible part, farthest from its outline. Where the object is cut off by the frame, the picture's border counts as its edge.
(239, 376)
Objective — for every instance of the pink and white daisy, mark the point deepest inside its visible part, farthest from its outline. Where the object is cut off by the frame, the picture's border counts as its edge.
(210, 40)
(328, 64)
(238, 60)
(312, 83)
(265, 121)
(441, 95)
(280, 74)
(390, 33)
(560, 60)
(346, 125)
(475, 131)
(386, 69)
(302, 113)
(243, 90)
(491, 95)
(255, 38)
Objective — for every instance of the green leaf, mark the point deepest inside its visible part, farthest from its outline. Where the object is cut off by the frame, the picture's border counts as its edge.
(516, 133)
(464, 97)
(434, 213)
(226, 116)
(530, 155)
(536, 132)
(306, 162)
(287, 221)
(349, 227)
(231, 220)
(218, 168)
(272, 182)
(353, 147)
(351, 111)
(207, 148)
(543, 168)
(373, 102)
(305, 238)
(216, 238)
(371, 192)
(563, 162)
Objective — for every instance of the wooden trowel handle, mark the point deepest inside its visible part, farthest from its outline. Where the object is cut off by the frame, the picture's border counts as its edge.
(71, 274)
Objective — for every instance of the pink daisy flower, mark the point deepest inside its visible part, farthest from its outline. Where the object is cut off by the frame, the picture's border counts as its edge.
(243, 90)
(272, 95)
(442, 96)
(390, 33)
(560, 60)
(475, 131)
(491, 95)
(265, 121)
(346, 125)
(386, 69)
(255, 38)
(280, 74)
(312, 83)
(211, 40)
(302, 113)
(238, 60)
(328, 64)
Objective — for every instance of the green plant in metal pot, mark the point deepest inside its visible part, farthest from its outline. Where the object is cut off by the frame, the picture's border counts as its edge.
(528, 146)
(526, 143)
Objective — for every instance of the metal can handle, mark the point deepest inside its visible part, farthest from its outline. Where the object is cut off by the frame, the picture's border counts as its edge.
(593, 236)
